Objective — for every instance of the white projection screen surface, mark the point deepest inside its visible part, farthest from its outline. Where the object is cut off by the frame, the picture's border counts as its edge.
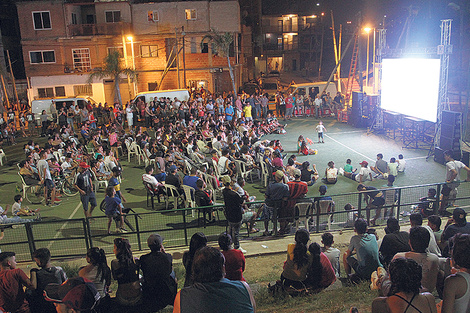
(411, 87)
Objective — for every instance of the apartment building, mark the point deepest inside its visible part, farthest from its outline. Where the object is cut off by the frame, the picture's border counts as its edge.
(64, 40)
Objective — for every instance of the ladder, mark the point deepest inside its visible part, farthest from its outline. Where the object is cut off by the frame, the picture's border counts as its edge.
(352, 71)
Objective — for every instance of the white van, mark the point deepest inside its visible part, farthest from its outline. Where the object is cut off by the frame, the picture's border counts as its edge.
(148, 96)
(37, 106)
(312, 89)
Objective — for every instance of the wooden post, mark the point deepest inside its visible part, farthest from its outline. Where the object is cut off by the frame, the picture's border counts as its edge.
(5, 91)
(13, 81)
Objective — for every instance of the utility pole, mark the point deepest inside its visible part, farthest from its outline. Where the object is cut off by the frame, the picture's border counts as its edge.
(334, 41)
(13, 80)
(5, 91)
(177, 58)
(184, 57)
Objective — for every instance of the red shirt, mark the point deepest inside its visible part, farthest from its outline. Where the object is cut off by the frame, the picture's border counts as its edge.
(11, 291)
(234, 264)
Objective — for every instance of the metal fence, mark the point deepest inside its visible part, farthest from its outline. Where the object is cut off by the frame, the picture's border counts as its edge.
(72, 238)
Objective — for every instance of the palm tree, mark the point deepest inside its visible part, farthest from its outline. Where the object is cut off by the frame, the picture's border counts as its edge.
(113, 69)
(221, 44)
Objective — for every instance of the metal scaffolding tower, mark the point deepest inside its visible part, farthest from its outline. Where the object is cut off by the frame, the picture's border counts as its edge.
(444, 50)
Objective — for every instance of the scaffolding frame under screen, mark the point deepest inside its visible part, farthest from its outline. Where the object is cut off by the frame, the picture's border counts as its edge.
(411, 87)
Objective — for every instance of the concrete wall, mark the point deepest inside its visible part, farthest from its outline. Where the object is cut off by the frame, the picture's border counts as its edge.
(25, 18)
(101, 8)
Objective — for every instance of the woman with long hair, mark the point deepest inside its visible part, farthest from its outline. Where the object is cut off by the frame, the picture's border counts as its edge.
(234, 258)
(198, 240)
(405, 275)
(298, 261)
(126, 272)
(97, 270)
(320, 273)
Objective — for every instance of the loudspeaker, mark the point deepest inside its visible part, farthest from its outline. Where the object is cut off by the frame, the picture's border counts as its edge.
(450, 117)
(466, 157)
(439, 155)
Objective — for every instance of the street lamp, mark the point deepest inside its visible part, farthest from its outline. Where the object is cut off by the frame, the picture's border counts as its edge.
(367, 30)
(131, 39)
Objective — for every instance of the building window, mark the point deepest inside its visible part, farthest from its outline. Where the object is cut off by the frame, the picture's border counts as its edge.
(119, 50)
(81, 59)
(60, 91)
(149, 51)
(74, 19)
(42, 20)
(83, 90)
(46, 92)
(152, 16)
(38, 57)
(113, 16)
(205, 48)
(190, 14)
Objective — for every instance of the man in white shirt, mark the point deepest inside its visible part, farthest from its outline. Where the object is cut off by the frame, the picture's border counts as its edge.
(46, 178)
(364, 173)
(449, 190)
(149, 178)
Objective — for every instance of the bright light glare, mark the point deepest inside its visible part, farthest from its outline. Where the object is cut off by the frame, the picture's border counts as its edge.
(130, 38)
(367, 29)
(411, 87)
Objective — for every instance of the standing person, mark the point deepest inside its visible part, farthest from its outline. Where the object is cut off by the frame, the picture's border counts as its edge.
(229, 112)
(366, 249)
(84, 184)
(405, 275)
(264, 105)
(276, 194)
(297, 190)
(44, 123)
(257, 107)
(31, 123)
(114, 182)
(318, 106)
(449, 190)
(234, 259)
(159, 282)
(289, 107)
(12, 281)
(233, 210)
(46, 179)
(130, 116)
(320, 129)
(457, 286)
(247, 112)
(211, 291)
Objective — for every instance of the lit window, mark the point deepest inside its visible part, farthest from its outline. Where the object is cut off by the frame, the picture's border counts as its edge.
(37, 57)
(42, 20)
(152, 16)
(113, 16)
(149, 51)
(81, 59)
(190, 14)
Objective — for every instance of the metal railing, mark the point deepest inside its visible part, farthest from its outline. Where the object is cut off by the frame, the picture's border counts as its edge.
(72, 237)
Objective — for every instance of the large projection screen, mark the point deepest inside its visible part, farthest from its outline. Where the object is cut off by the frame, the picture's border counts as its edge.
(411, 87)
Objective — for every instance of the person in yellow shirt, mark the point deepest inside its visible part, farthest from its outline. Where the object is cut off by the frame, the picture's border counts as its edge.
(247, 112)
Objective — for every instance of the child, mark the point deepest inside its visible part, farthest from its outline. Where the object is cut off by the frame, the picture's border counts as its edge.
(40, 278)
(17, 210)
(392, 172)
(320, 129)
(300, 140)
(331, 174)
(114, 210)
(332, 253)
(305, 150)
(352, 215)
(348, 168)
(401, 163)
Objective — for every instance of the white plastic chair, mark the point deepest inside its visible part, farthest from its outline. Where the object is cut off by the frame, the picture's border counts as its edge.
(326, 206)
(131, 150)
(303, 208)
(190, 201)
(173, 193)
(2, 156)
(98, 183)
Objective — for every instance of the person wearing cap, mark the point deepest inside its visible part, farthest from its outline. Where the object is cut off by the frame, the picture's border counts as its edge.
(449, 190)
(173, 178)
(457, 224)
(159, 285)
(276, 193)
(84, 184)
(297, 190)
(233, 209)
(363, 175)
(114, 182)
(12, 281)
(211, 291)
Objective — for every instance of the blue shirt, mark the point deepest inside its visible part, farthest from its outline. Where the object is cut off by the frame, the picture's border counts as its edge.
(112, 205)
(190, 181)
(114, 182)
(229, 110)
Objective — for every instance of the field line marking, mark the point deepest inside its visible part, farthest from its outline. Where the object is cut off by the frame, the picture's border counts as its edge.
(347, 147)
(416, 158)
(340, 133)
(64, 225)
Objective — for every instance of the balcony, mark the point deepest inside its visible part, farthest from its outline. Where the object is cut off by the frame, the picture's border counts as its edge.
(99, 29)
